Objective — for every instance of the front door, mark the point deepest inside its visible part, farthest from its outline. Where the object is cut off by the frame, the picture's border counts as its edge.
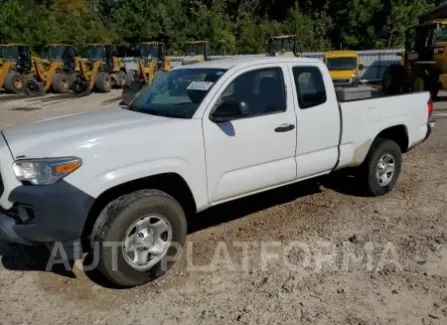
(256, 152)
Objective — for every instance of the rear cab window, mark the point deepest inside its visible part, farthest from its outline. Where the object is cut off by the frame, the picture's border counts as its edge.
(310, 86)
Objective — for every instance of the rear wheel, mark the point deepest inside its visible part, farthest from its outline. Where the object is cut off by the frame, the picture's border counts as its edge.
(146, 230)
(14, 83)
(381, 168)
(103, 82)
(60, 83)
(34, 88)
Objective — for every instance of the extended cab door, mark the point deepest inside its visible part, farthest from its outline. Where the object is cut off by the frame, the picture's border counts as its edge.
(257, 151)
(318, 119)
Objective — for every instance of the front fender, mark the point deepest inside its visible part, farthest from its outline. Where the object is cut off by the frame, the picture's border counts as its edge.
(107, 179)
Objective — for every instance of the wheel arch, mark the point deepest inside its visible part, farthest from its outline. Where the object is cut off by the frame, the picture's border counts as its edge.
(171, 183)
(398, 134)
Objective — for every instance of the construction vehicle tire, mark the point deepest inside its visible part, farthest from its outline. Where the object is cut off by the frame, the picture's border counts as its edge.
(103, 82)
(14, 83)
(60, 83)
(130, 76)
(34, 88)
(80, 86)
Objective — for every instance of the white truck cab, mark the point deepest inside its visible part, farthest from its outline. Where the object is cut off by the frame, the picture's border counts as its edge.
(200, 135)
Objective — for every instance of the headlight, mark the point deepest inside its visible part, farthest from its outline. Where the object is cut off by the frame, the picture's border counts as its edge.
(45, 171)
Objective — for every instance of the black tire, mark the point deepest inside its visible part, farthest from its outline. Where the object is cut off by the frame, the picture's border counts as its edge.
(14, 83)
(130, 76)
(34, 88)
(113, 224)
(60, 83)
(80, 86)
(368, 182)
(103, 82)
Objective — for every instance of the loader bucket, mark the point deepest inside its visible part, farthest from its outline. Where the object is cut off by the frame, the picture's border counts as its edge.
(131, 90)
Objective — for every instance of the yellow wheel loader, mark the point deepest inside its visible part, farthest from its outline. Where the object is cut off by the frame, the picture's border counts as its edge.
(283, 45)
(196, 52)
(56, 72)
(102, 70)
(16, 65)
(423, 65)
(152, 62)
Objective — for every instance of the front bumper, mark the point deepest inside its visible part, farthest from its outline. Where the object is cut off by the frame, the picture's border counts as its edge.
(7, 232)
(45, 214)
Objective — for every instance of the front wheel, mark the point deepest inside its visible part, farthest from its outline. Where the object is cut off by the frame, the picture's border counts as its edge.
(14, 83)
(103, 83)
(60, 83)
(34, 88)
(138, 237)
(381, 168)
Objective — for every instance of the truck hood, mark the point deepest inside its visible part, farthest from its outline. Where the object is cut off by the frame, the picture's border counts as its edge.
(66, 135)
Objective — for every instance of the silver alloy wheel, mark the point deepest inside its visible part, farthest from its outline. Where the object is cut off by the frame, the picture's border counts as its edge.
(385, 170)
(147, 242)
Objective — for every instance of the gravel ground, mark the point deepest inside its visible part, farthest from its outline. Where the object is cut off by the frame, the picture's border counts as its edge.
(311, 253)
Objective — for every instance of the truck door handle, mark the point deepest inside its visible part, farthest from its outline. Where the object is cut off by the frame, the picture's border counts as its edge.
(285, 127)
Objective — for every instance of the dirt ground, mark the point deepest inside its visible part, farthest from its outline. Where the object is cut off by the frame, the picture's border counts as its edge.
(311, 253)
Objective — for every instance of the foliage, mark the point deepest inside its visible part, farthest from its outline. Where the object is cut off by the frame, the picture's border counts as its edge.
(231, 26)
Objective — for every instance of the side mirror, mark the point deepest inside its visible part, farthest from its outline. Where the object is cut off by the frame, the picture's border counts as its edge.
(361, 67)
(229, 109)
(399, 54)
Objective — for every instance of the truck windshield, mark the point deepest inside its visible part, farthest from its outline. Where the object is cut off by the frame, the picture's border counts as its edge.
(347, 63)
(195, 49)
(441, 34)
(96, 53)
(55, 53)
(9, 52)
(177, 93)
(149, 51)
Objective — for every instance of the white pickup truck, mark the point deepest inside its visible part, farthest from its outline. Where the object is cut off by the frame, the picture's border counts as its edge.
(199, 136)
